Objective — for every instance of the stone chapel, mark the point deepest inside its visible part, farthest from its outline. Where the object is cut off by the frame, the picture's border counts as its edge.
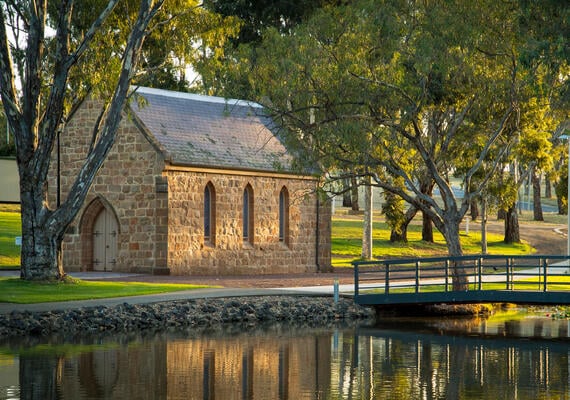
(194, 185)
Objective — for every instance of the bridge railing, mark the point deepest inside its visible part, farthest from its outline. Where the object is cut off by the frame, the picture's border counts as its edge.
(537, 273)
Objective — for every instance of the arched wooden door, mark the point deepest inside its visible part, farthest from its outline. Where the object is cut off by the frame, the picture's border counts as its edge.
(105, 234)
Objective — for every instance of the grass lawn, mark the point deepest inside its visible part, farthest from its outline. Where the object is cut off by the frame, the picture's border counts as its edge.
(23, 292)
(347, 242)
(10, 227)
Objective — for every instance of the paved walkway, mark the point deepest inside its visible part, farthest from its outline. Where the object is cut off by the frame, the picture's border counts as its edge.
(171, 296)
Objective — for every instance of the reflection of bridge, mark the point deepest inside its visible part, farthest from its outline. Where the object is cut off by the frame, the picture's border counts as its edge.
(490, 279)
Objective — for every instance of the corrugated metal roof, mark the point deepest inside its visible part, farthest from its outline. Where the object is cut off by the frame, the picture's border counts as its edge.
(206, 131)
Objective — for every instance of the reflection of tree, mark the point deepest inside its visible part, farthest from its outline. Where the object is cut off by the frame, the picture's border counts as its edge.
(426, 370)
(38, 377)
(457, 370)
(409, 364)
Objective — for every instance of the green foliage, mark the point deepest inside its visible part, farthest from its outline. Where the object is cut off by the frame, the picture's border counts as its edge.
(26, 292)
(348, 86)
(227, 70)
(502, 192)
(393, 209)
(537, 126)
(257, 15)
(183, 34)
(547, 24)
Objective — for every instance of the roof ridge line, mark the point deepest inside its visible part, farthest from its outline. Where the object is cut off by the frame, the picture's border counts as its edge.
(194, 96)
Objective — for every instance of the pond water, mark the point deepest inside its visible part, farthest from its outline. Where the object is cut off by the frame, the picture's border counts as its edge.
(437, 358)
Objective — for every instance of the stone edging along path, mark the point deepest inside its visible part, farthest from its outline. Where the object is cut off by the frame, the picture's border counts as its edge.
(203, 312)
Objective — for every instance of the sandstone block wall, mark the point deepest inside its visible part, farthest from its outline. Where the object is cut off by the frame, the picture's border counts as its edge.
(229, 254)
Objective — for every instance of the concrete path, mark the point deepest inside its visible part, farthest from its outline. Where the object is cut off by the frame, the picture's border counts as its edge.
(6, 308)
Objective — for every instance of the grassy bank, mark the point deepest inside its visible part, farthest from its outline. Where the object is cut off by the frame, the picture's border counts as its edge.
(23, 292)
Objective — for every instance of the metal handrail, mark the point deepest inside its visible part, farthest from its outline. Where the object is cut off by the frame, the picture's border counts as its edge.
(528, 272)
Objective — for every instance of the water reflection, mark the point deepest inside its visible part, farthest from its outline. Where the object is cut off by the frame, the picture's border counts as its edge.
(398, 359)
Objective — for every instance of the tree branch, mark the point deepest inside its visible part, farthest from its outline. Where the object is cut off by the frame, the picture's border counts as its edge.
(52, 117)
(95, 158)
(7, 83)
(32, 75)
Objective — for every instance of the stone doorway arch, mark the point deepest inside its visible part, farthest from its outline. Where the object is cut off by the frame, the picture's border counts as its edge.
(99, 236)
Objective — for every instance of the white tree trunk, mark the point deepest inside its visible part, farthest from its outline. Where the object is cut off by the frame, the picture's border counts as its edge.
(458, 269)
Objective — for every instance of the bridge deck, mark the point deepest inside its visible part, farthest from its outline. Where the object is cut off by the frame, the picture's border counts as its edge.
(486, 279)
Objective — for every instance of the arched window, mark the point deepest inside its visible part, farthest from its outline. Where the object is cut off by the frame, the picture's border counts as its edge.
(209, 214)
(247, 214)
(284, 216)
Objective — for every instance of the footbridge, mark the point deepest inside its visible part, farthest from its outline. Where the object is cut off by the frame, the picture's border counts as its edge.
(533, 279)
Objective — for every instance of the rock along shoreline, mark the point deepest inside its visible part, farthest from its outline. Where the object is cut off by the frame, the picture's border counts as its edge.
(183, 314)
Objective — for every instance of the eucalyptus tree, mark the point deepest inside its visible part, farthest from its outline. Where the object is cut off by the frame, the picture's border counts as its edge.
(534, 151)
(547, 56)
(36, 72)
(399, 89)
(52, 55)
